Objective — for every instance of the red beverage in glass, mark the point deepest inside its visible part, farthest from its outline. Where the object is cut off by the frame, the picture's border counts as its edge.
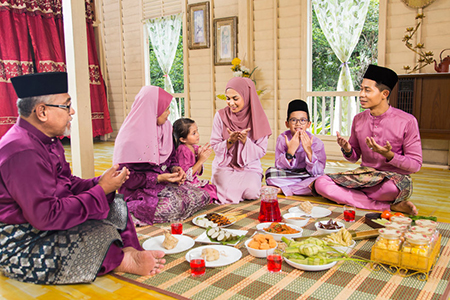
(197, 267)
(269, 211)
(274, 263)
(349, 215)
(177, 228)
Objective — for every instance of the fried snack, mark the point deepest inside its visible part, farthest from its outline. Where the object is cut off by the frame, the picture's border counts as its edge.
(220, 220)
(210, 254)
(262, 242)
(170, 241)
(306, 206)
(340, 238)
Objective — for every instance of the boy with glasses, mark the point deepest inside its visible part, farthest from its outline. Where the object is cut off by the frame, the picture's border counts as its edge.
(299, 156)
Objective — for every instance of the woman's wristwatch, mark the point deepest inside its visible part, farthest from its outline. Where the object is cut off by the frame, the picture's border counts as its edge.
(347, 154)
(229, 142)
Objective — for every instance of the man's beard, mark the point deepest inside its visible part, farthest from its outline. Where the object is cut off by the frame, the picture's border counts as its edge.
(67, 132)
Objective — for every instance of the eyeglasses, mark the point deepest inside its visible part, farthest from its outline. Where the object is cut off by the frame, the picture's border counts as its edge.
(301, 121)
(60, 106)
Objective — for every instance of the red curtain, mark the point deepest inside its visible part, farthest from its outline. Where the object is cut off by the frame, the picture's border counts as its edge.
(15, 58)
(41, 25)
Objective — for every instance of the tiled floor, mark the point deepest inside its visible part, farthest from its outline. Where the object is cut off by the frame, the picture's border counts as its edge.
(431, 195)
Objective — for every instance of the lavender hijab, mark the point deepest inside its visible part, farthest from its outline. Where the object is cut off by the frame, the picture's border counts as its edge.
(251, 116)
(140, 139)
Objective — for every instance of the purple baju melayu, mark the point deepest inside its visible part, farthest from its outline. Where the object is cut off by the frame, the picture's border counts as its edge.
(186, 160)
(292, 185)
(40, 197)
(402, 132)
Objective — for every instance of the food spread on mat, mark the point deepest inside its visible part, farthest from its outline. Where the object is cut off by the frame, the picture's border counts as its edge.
(280, 229)
(170, 241)
(262, 242)
(330, 225)
(223, 236)
(220, 220)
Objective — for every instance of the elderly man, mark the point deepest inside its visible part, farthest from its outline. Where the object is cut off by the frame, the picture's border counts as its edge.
(388, 141)
(56, 228)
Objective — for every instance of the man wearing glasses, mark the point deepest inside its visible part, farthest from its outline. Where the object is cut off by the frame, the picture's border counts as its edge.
(299, 157)
(56, 228)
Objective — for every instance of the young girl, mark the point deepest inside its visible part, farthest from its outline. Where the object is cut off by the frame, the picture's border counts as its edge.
(190, 156)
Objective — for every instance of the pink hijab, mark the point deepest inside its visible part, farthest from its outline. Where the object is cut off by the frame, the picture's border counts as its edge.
(140, 139)
(251, 116)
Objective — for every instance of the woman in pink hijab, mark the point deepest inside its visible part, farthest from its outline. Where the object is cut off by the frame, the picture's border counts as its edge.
(239, 139)
(155, 191)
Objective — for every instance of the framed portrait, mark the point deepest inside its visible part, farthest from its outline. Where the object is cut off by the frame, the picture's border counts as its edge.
(225, 40)
(198, 28)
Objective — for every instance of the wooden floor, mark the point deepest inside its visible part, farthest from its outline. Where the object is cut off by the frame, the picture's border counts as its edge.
(431, 195)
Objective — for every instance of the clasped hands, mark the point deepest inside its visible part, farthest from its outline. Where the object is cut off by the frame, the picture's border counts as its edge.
(370, 142)
(294, 143)
(112, 179)
(238, 136)
(177, 175)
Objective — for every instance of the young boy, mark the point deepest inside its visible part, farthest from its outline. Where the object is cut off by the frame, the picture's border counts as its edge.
(299, 157)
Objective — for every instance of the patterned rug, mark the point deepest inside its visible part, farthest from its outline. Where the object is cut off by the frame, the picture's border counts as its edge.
(248, 278)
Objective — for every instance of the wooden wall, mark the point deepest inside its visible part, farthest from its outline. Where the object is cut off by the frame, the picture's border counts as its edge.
(272, 37)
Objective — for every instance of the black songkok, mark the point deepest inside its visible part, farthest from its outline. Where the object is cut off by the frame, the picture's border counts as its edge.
(40, 84)
(382, 75)
(297, 105)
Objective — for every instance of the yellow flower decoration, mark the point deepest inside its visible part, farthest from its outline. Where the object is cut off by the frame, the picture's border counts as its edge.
(236, 61)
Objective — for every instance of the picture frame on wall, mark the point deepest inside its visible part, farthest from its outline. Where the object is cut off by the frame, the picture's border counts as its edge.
(225, 40)
(198, 26)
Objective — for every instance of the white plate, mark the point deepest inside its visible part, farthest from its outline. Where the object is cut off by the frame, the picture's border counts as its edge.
(232, 255)
(203, 238)
(278, 236)
(155, 243)
(316, 212)
(204, 216)
(310, 267)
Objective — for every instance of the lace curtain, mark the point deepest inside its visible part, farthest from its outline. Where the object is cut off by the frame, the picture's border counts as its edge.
(342, 21)
(164, 33)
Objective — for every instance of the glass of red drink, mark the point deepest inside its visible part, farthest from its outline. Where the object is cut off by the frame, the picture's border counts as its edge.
(349, 213)
(197, 263)
(274, 261)
(177, 228)
(269, 210)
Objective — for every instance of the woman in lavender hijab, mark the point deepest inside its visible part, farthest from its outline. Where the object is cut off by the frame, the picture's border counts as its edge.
(155, 191)
(239, 139)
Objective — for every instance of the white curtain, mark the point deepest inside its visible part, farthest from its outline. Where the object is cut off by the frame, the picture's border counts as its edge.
(164, 34)
(342, 21)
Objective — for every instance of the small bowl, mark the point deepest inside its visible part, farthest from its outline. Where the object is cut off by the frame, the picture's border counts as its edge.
(299, 223)
(278, 236)
(328, 231)
(257, 252)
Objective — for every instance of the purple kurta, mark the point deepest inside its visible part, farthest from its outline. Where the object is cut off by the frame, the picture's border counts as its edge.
(235, 184)
(315, 167)
(186, 160)
(37, 187)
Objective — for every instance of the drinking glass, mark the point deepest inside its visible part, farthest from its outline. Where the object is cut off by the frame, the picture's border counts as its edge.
(197, 263)
(177, 227)
(349, 213)
(274, 261)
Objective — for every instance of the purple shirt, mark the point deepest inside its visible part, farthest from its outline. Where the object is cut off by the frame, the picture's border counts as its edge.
(315, 167)
(37, 186)
(397, 127)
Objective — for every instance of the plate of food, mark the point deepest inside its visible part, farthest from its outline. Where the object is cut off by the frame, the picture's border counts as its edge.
(169, 243)
(278, 230)
(217, 255)
(307, 209)
(217, 235)
(213, 220)
(310, 267)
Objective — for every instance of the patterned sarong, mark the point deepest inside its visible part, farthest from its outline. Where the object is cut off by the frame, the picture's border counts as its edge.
(291, 174)
(60, 257)
(364, 177)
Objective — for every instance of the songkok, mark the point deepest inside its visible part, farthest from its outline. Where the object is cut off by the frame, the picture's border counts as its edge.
(40, 84)
(382, 75)
(297, 105)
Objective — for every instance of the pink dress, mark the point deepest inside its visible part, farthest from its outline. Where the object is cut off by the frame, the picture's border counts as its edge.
(186, 160)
